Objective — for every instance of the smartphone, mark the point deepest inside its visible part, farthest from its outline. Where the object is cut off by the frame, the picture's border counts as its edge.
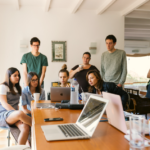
(53, 119)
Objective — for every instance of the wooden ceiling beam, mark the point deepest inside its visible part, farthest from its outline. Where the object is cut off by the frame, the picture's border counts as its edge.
(104, 6)
(47, 5)
(133, 6)
(76, 6)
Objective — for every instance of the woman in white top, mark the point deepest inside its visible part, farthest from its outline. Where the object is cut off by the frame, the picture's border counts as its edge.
(10, 92)
(64, 76)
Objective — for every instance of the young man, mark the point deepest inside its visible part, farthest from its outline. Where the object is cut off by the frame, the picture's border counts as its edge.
(113, 63)
(34, 61)
(148, 85)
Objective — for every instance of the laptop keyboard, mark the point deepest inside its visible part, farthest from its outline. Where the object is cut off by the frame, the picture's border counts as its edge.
(71, 130)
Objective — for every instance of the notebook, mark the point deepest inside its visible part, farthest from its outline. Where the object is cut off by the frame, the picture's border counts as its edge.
(84, 126)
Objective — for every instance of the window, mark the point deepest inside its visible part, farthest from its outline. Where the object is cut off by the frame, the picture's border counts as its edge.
(138, 68)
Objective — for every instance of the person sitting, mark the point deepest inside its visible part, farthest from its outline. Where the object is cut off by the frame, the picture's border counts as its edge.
(64, 76)
(10, 92)
(28, 91)
(97, 86)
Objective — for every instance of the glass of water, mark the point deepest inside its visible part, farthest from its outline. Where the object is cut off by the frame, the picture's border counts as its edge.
(137, 125)
(85, 97)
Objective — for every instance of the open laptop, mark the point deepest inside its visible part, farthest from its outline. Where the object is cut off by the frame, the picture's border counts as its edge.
(84, 126)
(116, 115)
(60, 93)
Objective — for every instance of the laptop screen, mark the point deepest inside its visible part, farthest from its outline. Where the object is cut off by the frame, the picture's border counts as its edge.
(91, 114)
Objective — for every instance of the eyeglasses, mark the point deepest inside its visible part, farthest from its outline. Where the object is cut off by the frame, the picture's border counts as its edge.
(36, 45)
(34, 80)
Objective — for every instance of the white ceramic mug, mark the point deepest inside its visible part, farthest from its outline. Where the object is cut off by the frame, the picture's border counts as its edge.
(81, 66)
(36, 96)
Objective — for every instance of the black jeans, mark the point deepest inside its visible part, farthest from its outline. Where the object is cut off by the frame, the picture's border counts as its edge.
(148, 91)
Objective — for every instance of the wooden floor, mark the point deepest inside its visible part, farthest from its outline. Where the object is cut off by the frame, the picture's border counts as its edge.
(3, 139)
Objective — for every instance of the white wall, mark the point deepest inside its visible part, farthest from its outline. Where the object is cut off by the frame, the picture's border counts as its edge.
(79, 30)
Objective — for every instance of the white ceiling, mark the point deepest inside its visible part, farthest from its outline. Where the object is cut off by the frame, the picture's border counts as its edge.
(117, 5)
(136, 12)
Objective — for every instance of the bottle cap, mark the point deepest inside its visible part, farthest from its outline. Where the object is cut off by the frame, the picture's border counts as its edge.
(75, 79)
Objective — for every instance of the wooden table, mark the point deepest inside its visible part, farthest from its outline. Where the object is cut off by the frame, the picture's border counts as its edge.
(105, 136)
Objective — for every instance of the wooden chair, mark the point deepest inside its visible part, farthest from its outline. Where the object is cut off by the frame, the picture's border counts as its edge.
(140, 105)
(55, 84)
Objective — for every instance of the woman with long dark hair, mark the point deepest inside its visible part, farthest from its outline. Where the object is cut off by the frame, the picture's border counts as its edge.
(97, 85)
(28, 91)
(10, 92)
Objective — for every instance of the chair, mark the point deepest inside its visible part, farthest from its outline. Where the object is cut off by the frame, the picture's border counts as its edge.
(140, 105)
(18, 147)
(55, 84)
(48, 96)
(8, 137)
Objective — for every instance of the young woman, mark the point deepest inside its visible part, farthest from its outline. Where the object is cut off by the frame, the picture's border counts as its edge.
(10, 92)
(97, 85)
(28, 91)
(64, 76)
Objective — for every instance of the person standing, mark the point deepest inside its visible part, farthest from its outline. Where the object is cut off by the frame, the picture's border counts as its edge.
(148, 85)
(34, 61)
(113, 63)
(79, 72)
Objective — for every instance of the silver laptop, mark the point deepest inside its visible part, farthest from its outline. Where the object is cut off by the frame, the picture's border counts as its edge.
(60, 93)
(84, 126)
(116, 115)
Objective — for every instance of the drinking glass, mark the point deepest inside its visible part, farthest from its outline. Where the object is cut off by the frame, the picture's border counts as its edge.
(137, 124)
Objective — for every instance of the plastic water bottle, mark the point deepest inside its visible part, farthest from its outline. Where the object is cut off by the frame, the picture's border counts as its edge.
(74, 92)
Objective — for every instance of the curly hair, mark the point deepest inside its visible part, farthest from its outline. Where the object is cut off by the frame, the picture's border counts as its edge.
(99, 83)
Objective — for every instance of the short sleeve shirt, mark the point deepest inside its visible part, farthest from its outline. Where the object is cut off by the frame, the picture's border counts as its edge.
(34, 63)
(4, 89)
(81, 78)
(26, 97)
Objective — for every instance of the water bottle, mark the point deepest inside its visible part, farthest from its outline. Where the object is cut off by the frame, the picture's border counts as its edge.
(74, 92)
